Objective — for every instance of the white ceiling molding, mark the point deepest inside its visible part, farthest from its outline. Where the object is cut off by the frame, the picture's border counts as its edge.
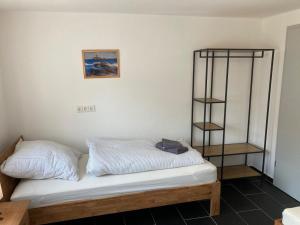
(205, 8)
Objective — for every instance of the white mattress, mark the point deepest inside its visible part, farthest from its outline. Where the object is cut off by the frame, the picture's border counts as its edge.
(291, 216)
(49, 192)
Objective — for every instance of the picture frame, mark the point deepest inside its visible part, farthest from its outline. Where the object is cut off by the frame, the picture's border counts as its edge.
(101, 63)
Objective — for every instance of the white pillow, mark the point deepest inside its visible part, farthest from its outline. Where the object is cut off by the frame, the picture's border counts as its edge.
(42, 160)
(113, 156)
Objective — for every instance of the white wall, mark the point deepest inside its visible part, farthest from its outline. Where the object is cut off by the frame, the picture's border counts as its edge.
(274, 36)
(42, 68)
(3, 124)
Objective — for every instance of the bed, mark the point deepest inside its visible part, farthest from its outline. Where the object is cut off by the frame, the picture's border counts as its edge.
(93, 196)
(290, 216)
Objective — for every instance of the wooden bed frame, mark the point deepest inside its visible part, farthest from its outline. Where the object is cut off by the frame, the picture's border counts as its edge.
(278, 222)
(87, 208)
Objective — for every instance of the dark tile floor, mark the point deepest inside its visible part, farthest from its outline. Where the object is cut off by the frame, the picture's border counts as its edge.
(244, 202)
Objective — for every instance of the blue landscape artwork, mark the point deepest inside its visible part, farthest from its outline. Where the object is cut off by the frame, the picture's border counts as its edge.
(101, 63)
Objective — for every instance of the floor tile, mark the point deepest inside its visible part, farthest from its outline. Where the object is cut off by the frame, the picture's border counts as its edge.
(268, 179)
(279, 195)
(229, 219)
(205, 205)
(267, 204)
(227, 182)
(246, 187)
(191, 210)
(139, 217)
(60, 223)
(228, 216)
(252, 218)
(201, 221)
(291, 205)
(114, 219)
(236, 200)
(85, 221)
(167, 215)
(224, 208)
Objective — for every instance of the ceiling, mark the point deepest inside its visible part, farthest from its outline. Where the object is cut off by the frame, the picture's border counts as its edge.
(213, 8)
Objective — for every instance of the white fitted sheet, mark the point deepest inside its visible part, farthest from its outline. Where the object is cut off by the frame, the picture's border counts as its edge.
(54, 191)
(291, 216)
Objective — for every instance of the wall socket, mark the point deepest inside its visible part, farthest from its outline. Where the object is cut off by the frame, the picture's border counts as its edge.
(86, 108)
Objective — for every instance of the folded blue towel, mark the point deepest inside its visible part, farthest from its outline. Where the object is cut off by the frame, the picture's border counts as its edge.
(171, 144)
(174, 147)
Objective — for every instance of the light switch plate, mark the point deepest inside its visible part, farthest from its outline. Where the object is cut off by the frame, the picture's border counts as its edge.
(86, 108)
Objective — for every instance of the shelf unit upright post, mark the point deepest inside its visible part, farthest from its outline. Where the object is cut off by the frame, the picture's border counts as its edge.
(205, 101)
(224, 149)
(250, 102)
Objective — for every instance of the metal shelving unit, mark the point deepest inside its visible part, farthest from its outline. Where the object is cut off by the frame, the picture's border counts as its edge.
(222, 150)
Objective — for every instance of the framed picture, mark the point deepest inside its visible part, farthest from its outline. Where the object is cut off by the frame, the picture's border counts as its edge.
(101, 63)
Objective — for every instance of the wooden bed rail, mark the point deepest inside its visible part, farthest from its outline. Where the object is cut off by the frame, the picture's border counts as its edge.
(128, 202)
(8, 184)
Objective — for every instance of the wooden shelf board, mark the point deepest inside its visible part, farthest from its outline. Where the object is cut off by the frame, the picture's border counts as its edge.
(209, 100)
(208, 126)
(239, 171)
(229, 149)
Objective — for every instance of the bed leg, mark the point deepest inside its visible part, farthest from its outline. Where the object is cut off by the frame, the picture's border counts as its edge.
(215, 199)
(278, 222)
